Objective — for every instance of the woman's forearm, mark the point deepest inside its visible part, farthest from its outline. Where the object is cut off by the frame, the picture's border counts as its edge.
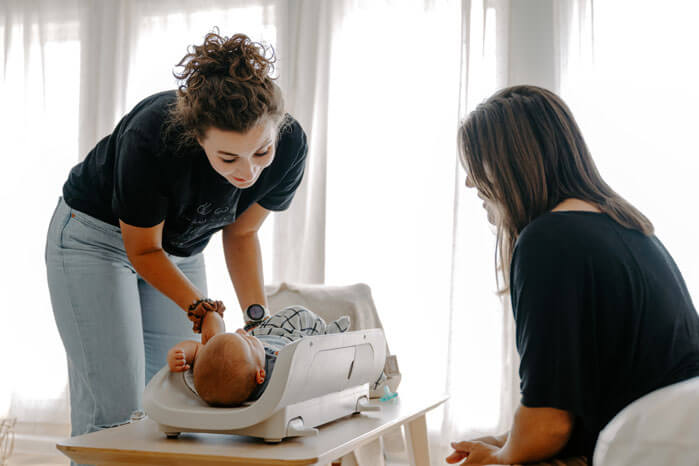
(244, 261)
(496, 440)
(537, 434)
(166, 277)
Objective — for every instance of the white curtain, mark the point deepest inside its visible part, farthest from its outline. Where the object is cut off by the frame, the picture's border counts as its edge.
(633, 91)
(398, 216)
(299, 232)
(393, 105)
(39, 91)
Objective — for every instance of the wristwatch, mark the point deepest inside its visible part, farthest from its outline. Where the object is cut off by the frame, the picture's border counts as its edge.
(255, 312)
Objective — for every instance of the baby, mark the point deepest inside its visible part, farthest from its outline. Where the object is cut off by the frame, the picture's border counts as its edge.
(231, 368)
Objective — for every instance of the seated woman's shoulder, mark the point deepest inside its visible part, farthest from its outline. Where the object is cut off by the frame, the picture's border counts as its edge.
(566, 232)
(553, 224)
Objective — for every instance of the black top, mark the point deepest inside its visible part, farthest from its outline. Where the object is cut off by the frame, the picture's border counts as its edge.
(603, 317)
(135, 176)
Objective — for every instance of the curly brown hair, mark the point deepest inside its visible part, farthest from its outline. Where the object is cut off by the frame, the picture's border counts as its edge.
(225, 83)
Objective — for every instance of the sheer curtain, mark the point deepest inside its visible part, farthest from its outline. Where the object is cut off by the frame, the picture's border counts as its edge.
(39, 91)
(299, 232)
(398, 216)
(634, 94)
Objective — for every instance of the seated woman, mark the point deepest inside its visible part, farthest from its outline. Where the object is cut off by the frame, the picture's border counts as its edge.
(602, 312)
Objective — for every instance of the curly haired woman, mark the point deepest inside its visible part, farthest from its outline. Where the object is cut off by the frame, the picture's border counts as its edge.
(124, 248)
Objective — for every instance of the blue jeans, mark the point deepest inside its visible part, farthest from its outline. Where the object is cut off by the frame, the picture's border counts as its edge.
(115, 327)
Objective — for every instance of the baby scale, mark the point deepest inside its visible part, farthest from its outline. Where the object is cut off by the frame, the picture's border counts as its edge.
(316, 380)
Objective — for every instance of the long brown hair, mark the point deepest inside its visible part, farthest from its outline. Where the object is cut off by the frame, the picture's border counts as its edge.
(225, 83)
(523, 150)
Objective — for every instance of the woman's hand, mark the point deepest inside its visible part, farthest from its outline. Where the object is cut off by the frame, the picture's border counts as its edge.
(176, 359)
(474, 453)
(211, 326)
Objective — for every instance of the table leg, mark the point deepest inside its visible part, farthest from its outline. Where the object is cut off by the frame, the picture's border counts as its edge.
(418, 447)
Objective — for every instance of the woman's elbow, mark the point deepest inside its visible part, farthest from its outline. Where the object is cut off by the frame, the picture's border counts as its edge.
(545, 431)
(556, 430)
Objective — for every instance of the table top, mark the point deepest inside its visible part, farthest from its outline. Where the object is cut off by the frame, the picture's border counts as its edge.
(142, 443)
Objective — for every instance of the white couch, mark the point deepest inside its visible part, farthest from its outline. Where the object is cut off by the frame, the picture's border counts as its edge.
(659, 429)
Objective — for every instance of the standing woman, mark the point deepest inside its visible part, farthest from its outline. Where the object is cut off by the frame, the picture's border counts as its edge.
(124, 249)
(602, 313)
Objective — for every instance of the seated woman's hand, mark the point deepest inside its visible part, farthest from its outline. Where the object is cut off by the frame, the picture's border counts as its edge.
(211, 326)
(176, 360)
(474, 453)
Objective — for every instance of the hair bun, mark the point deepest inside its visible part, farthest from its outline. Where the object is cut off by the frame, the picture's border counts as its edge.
(249, 59)
(237, 57)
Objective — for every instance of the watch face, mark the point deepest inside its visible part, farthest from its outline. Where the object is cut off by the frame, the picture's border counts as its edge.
(256, 312)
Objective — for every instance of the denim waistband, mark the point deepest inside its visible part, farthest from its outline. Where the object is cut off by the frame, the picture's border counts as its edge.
(88, 220)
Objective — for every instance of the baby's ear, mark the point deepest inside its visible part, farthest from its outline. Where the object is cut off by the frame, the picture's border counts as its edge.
(260, 376)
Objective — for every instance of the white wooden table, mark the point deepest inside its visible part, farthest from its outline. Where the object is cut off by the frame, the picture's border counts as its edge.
(141, 443)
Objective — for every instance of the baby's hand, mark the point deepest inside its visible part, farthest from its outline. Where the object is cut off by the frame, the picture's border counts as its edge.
(176, 360)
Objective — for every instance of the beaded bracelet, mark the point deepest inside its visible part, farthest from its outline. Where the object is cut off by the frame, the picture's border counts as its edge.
(198, 309)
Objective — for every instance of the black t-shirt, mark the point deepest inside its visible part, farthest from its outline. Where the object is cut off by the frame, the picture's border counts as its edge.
(603, 317)
(135, 175)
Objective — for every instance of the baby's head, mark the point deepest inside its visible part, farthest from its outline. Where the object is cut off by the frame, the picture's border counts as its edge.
(228, 368)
